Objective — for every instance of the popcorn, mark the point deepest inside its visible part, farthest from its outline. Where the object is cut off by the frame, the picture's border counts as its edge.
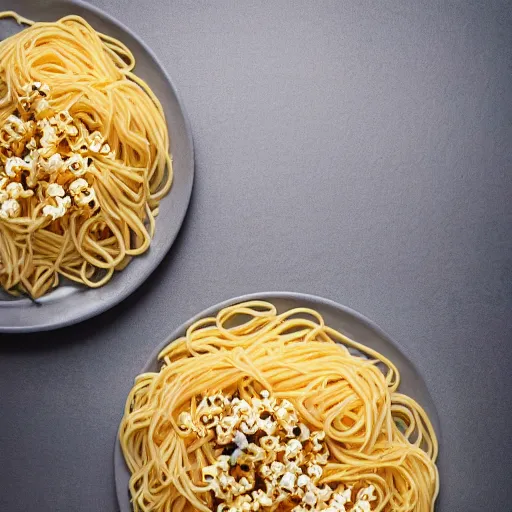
(261, 470)
(52, 165)
(55, 212)
(287, 481)
(315, 471)
(324, 493)
(95, 142)
(76, 164)
(31, 144)
(261, 498)
(316, 439)
(16, 191)
(42, 109)
(15, 165)
(10, 209)
(277, 468)
(304, 433)
(269, 443)
(41, 151)
(258, 431)
(86, 198)
(49, 139)
(15, 128)
(240, 440)
(55, 190)
(293, 448)
(185, 423)
(303, 480)
(105, 150)
(367, 494)
(210, 472)
(310, 499)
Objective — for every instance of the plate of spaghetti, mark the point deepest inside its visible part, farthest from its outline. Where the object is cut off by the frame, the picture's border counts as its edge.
(96, 164)
(278, 402)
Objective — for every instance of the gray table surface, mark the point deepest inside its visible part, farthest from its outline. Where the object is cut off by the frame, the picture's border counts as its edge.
(356, 150)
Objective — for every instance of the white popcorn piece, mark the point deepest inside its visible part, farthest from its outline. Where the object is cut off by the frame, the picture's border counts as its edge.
(322, 457)
(55, 190)
(285, 464)
(15, 127)
(367, 493)
(255, 453)
(234, 456)
(310, 499)
(53, 165)
(210, 472)
(223, 462)
(240, 440)
(268, 425)
(304, 433)
(16, 191)
(246, 484)
(208, 420)
(14, 165)
(282, 413)
(323, 493)
(269, 443)
(77, 164)
(339, 500)
(241, 408)
(316, 439)
(315, 471)
(63, 121)
(95, 142)
(250, 425)
(42, 108)
(105, 149)
(361, 506)
(49, 138)
(55, 212)
(10, 209)
(31, 144)
(303, 481)
(265, 471)
(260, 497)
(293, 447)
(185, 423)
(277, 468)
(293, 467)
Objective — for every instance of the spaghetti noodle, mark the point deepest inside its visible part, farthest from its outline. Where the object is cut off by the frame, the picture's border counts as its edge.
(84, 157)
(253, 410)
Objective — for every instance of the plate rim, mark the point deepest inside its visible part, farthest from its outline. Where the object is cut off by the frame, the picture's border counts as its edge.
(269, 296)
(101, 306)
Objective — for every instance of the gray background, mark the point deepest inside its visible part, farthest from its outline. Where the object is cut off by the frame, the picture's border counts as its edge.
(355, 150)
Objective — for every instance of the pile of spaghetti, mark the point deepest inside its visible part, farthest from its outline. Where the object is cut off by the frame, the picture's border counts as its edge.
(254, 410)
(84, 157)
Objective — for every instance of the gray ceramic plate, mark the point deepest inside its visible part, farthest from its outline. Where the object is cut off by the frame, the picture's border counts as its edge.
(71, 303)
(345, 320)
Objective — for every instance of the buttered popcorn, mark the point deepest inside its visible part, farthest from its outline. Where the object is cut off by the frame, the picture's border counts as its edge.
(48, 155)
(269, 457)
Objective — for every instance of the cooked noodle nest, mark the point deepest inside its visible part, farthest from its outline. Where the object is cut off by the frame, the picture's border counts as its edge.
(121, 144)
(375, 436)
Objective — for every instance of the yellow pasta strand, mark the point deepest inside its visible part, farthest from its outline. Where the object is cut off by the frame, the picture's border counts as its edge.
(374, 433)
(89, 75)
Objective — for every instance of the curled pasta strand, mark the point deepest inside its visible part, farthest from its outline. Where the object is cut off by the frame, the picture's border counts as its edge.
(91, 76)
